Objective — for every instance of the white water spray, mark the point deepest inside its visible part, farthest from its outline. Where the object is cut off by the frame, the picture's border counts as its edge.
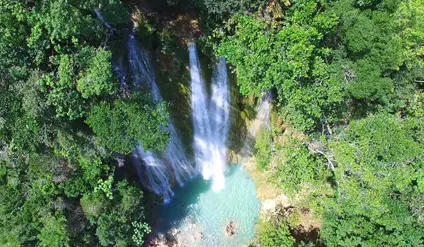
(210, 120)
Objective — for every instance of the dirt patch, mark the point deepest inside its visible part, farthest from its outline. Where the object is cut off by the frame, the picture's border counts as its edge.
(307, 234)
(264, 189)
(308, 220)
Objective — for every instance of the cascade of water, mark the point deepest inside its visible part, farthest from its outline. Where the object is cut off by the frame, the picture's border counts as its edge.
(143, 73)
(154, 174)
(261, 121)
(120, 73)
(210, 120)
(263, 115)
(159, 168)
(220, 107)
(220, 124)
(201, 122)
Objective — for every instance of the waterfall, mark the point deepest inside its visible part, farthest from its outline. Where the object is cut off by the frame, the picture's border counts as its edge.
(261, 121)
(220, 107)
(153, 173)
(159, 168)
(120, 73)
(263, 115)
(201, 122)
(220, 122)
(210, 120)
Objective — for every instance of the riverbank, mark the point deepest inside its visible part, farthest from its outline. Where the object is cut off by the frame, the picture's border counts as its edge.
(303, 222)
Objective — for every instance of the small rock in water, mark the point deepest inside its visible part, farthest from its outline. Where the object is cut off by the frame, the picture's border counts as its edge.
(174, 231)
(230, 229)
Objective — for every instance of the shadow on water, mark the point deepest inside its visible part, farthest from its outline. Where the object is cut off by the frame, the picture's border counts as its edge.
(172, 214)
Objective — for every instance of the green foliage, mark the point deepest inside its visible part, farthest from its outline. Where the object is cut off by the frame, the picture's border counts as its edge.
(350, 73)
(273, 235)
(263, 148)
(222, 8)
(379, 160)
(119, 126)
(62, 94)
(250, 35)
(298, 167)
(54, 232)
(396, 228)
(316, 60)
(53, 68)
(140, 229)
(33, 103)
(129, 196)
(80, 76)
(105, 186)
(373, 38)
(291, 60)
(371, 155)
(114, 11)
(93, 205)
(409, 19)
(63, 20)
(114, 227)
(98, 78)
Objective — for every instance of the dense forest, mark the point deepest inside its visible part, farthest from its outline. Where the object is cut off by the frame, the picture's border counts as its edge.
(347, 129)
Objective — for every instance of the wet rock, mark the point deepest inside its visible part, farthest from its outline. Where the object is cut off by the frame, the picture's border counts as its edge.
(230, 229)
(174, 231)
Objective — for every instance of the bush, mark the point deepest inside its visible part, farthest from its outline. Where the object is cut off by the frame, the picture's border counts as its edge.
(263, 148)
(275, 235)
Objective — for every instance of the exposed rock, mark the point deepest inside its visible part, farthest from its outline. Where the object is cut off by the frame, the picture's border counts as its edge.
(230, 229)
(317, 147)
(161, 241)
(270, 206)
(174, 231)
